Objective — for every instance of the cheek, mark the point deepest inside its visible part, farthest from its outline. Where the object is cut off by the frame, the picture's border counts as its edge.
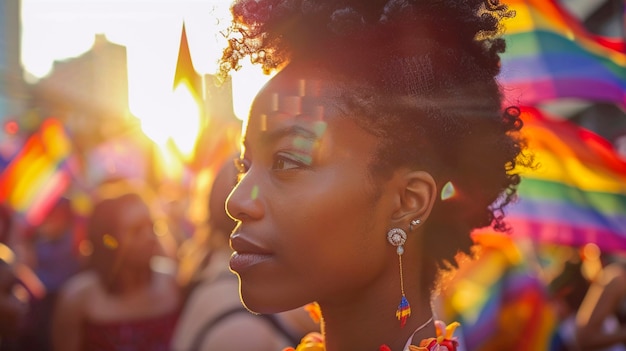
(339, 233)
(141, 245)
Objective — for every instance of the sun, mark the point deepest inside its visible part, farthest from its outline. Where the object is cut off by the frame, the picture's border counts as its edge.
(176, 120)
(177, 116)
(247, 82)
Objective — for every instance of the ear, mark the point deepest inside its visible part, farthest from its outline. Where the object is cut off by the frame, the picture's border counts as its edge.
(417, 194)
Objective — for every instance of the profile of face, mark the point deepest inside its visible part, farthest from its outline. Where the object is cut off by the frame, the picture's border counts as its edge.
(312, 220)
(224, 181)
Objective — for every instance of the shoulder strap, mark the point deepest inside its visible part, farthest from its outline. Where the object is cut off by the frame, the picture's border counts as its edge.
(293, 340)
(197, 342)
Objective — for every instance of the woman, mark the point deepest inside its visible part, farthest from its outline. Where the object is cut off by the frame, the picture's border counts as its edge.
(368, 159)
(213, 317)
(119, 303)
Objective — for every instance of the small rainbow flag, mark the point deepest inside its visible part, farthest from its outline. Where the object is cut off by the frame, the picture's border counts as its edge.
(550, 55)
(577, 192)
(38, 175)
(404, 311)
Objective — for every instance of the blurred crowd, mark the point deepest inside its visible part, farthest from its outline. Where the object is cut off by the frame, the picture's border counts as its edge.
(139, 267)
(137, 272)
(516, 295)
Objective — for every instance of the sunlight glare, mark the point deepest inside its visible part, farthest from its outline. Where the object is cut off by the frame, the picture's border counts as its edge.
(176, 119)
(186, 120)
(246, 84)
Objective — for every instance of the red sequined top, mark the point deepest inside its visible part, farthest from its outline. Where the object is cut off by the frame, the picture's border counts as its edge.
(150, 334)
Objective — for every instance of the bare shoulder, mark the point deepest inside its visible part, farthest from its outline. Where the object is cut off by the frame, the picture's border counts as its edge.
(74, 299)
(79, 285)
(614, 274)
(204, 304)
(166, 287)
(232, 327)
(244, 331)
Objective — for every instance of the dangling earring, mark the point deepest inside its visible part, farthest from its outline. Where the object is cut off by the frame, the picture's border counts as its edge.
(397, 238)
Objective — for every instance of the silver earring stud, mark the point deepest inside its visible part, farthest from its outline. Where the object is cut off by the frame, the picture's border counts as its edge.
(414, 223)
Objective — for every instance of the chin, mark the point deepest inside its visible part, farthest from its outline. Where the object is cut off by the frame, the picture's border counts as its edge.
(258, 306)
(265, 303)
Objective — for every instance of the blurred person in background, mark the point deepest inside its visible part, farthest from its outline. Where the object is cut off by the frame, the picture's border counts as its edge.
(601, 317)
(567, 291)
(49, 249)
(13, 306)
(120, 302)
(214, 317)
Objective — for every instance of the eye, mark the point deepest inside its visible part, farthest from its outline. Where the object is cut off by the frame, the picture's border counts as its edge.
(241, 165)
(284, 162)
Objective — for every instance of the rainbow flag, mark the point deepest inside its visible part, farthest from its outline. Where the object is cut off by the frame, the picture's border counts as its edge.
(498, 299)
(576, 194)
(38, 175)
(550, 55)
(404, 311)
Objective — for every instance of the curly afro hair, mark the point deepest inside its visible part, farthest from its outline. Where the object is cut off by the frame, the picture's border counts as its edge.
(421, 75)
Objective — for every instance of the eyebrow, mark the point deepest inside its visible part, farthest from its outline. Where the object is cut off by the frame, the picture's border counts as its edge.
(295, 130)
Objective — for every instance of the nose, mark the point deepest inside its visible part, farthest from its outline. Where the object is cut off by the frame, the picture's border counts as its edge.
(244, 201)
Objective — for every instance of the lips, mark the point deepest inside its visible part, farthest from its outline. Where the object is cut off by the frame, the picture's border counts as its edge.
(247, 253)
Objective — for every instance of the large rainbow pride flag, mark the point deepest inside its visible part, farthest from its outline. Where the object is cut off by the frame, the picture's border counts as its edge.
(37, 176)
(576, 194)
(550, 55)
(499, 299)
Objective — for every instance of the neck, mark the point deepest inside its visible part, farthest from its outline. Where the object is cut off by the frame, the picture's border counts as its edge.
(353, 327)
(133, 280)
(367, 320)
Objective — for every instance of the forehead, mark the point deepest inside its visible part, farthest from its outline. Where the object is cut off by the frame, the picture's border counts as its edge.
(295, 96)
(133, 211)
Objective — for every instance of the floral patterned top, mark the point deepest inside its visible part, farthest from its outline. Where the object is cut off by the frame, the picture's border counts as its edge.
(444, 341)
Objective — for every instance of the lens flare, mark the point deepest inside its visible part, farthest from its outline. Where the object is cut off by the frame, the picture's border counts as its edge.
(254, 194)
(6, 254)
(448, 191)
(109, 241)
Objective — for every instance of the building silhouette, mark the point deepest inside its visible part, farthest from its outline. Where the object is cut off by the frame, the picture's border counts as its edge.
(88, 93)
(13, 90)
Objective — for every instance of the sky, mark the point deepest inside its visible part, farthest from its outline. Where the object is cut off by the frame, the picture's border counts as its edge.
(150, 30)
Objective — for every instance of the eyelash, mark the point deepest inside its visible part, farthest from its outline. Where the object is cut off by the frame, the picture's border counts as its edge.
(242, 165)
(280, 157)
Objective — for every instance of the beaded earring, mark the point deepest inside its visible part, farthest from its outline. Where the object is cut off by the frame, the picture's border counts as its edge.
(397, 237)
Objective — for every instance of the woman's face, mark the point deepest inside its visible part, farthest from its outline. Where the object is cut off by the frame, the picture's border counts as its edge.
(312, 224)
(137, 237)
